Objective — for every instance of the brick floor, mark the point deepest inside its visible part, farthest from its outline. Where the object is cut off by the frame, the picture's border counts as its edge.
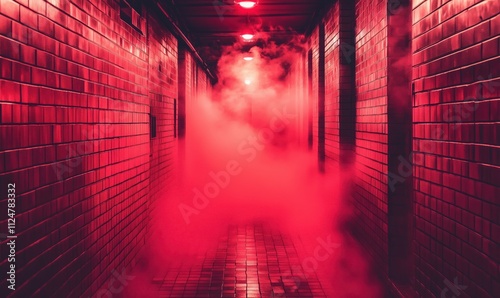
(251, 261)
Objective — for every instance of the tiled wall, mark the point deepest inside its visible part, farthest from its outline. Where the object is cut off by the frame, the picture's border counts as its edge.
(78, 85)
(370, 190)
(363, 100)
(313, 62)
(339, 83)
(163, 96)
(434, 105)
(456, 146)
(332, 83)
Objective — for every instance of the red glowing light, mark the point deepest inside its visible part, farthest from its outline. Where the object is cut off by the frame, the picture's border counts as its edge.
(248, 82)
(248, 58)
(247, 4)
(247, 36)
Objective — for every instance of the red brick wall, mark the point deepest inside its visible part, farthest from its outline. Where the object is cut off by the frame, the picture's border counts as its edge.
(313, 97)
(186, 71)
(163, 87)
(449, 203)
(332, 84)
(75, 138)
(316, 86)
(370, 190)
(339, 82)
(193, 83)
(456, 153)
(203, 83)
(362, 52)
(366, 48)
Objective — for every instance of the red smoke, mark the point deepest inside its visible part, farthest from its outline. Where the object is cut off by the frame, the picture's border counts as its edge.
(242, 164)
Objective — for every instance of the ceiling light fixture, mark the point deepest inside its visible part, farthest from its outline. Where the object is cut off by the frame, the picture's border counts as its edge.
(248, 58)
(246, 4)
(247, 36)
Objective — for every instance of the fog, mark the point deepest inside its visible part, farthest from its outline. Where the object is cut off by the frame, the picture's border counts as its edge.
(244, 162)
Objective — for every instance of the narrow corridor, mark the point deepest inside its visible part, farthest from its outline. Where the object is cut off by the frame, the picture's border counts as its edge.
(257, 148)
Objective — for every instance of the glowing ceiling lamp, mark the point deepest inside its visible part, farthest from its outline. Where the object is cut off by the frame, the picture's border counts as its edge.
(247, 36)
(248, 58)
(246, 4)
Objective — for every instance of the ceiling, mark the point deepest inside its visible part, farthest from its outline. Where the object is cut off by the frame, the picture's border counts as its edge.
(211, 24)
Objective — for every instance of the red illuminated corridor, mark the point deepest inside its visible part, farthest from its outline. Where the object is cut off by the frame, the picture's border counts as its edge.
(267, 148)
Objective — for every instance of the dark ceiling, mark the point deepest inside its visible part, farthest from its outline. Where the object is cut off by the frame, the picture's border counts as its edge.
(211, 24)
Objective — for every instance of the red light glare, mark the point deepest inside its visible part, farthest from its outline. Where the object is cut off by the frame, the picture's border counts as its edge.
(247, 36)
(247, 4)
(248, 58)
(248, 82)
